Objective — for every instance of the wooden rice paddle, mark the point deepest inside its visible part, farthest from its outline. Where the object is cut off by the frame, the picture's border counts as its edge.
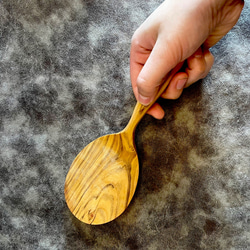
(103, 177)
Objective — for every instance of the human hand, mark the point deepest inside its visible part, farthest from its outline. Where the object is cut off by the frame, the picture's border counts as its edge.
(178, 32)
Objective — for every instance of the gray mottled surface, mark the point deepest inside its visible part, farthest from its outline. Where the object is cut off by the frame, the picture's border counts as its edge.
(64, 81)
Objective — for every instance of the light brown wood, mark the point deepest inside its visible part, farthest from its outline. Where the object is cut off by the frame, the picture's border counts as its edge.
(103, 177)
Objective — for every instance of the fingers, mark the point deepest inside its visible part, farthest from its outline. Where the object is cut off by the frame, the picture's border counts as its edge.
(157, 48)
(199, 64)
(156, 111)
(162, 59)
(173, 91)
(176, 86)
(140, 51)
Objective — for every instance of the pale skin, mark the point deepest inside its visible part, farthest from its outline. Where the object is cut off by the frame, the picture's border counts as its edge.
(177, 32)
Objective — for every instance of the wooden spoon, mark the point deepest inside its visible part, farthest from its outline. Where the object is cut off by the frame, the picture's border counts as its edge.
(103, 177)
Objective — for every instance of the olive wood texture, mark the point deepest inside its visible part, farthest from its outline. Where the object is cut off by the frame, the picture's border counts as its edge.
(103, 177)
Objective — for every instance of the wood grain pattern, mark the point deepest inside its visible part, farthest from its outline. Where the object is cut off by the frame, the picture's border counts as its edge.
(103, 177)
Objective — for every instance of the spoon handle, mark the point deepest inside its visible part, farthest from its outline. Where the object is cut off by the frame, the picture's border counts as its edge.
(140, 110)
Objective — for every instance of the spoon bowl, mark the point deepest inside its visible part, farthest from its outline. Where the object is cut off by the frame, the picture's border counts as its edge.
(103, 177)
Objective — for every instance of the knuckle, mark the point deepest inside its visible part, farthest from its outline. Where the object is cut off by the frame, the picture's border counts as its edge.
(141, 82)
(135, 40)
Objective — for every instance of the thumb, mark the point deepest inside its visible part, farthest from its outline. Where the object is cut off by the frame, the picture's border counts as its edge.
(164, 57)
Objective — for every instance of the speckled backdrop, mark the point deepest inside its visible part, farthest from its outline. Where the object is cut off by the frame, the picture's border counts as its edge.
(64, 81)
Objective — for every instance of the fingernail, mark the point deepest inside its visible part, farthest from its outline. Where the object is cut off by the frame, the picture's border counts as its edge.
(181, 83)
(144, 100)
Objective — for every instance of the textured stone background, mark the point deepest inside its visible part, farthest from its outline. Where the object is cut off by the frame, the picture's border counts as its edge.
(64, 81)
